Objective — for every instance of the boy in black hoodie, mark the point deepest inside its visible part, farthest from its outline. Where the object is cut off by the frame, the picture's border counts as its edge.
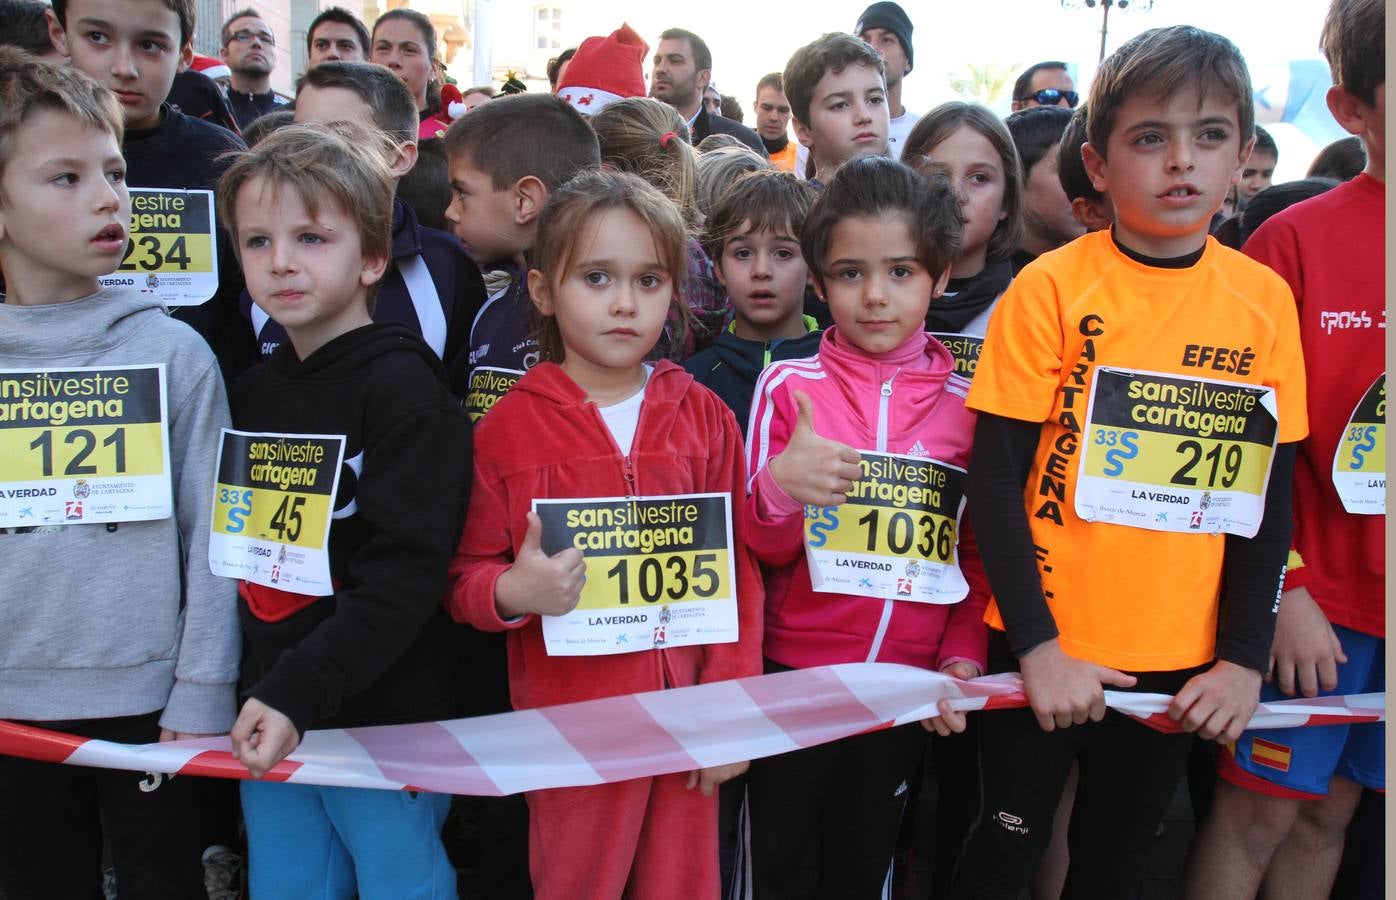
(355, 502)
(135, 48)
(754, 240)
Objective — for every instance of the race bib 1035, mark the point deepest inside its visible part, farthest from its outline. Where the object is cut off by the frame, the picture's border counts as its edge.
(895, 536)
(272, 508)
(1172, 453)
(1359, 466)
(84, 445)
(659, 572)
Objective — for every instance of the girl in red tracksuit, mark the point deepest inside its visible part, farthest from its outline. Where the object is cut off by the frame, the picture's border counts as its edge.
(598, 422)
(879, 243)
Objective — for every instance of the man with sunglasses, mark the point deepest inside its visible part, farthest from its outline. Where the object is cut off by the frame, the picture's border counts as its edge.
(1044, 84)
(249, 49)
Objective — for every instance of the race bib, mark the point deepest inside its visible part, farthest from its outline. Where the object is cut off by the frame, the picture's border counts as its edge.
(1174, 453)
(1359, 466)
(659, 572)
(84, 445)
(272, 508)
(895, 536)
(170, 252)
(965, 348)
(487, 385)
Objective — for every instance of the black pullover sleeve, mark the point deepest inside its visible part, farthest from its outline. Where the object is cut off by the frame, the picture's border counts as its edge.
(1253, 573)
(998, 470)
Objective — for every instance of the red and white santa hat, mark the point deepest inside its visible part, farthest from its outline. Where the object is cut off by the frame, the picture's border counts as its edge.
(604, 70)
(213, 68)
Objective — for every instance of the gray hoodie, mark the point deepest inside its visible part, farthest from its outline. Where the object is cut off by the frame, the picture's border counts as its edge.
(98, 621)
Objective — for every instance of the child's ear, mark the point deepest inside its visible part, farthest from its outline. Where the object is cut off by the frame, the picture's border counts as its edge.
(717, 270)
(1089, 214)
(818, 286)
(941, 282)
(1241, 161)
(1095, 167)
(802, 132)
(186, 55)
(1347, 108)
(530, 193)
(56, 34)
(404, 159)
(538, 292)
(372, 270)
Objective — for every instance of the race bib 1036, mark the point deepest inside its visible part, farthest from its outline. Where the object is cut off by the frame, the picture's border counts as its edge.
(895, 536)
(1172, 453)
(1359, 466)
(171, 250)
(659, 572)
(84, 445)
(272, 508)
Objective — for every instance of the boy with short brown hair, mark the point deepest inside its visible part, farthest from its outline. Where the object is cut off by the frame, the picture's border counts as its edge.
(838, 101)
(1116, 558)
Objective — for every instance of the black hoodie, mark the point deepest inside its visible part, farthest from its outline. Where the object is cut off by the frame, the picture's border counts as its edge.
(379, 651)
(730, 367)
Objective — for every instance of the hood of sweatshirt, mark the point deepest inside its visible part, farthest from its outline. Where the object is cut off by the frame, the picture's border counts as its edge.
(91, 324)
(343, 357)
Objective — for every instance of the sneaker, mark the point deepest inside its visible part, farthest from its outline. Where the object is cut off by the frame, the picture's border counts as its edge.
(223, 872)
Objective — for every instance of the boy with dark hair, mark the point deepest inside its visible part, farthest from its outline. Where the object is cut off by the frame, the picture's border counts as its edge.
(173, 159)
(336, 34)
(1117, 556)
(114, 627)
(1047, 219)
(753, 237)
(504, 158)
(838, 99)
(1286, 797)
(354, 633)
(431, 286)
(24, 24)
(1089, 207)
(1259, 172)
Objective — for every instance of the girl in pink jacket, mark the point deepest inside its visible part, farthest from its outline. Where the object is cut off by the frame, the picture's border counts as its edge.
(859, 454)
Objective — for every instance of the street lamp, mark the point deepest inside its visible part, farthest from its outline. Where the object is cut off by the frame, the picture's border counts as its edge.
(1105, 6)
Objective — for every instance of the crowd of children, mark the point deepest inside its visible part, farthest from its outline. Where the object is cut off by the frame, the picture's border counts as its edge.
(995, 401)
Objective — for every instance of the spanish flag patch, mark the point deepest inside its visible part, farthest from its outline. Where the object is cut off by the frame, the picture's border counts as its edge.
(1269, 754)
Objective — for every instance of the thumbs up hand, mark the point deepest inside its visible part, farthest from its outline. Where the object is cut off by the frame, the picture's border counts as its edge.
(813, 470)
(539, 583)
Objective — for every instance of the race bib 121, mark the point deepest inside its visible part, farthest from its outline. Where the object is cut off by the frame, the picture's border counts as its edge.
(171, 252)
(659, 572)
(272, 508)
(895, 536)
(1173, 453)
(84, 445)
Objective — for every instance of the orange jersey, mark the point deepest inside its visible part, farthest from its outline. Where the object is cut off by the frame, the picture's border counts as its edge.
(785, 159)
(1124, 596)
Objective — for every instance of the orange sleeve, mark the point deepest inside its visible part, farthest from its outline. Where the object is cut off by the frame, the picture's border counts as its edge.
(1020, 366)
(1286, 373)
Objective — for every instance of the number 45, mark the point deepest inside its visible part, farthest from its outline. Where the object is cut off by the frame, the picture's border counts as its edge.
(287, 520)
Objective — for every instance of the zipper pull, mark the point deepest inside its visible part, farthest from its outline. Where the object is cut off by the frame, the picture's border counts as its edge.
(629, 478)
(887, 387)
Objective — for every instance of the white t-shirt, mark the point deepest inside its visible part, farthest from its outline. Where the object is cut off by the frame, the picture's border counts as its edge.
(622, 418)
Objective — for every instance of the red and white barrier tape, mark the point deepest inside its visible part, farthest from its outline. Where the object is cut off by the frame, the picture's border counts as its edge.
(629, 736)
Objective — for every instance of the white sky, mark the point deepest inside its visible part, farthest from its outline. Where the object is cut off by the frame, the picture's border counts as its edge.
(749, 39)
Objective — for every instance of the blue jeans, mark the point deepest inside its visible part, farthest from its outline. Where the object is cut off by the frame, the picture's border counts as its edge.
(306, 841)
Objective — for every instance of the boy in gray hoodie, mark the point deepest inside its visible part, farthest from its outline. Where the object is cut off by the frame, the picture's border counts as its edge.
(110, 412)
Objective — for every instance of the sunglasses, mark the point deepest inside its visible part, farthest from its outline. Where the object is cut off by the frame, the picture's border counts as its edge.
(1051, 97)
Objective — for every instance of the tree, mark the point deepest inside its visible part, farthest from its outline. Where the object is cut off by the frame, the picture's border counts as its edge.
(985, 83)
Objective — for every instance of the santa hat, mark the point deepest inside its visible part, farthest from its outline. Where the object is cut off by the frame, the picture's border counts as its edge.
(213, 68)
(604, 70)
